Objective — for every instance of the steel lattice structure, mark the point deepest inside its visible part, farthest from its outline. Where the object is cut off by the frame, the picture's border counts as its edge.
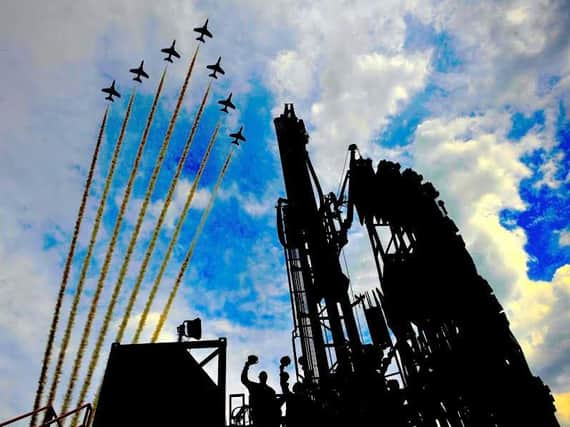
(433, 318)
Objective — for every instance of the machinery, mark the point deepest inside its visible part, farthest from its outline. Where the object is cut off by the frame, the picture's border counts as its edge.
(440, 350)
(163, 384)
(434, 347)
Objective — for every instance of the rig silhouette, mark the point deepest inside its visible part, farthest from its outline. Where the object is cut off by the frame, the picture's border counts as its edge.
(437, 348)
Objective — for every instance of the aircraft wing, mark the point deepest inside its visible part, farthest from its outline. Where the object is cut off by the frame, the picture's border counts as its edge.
(144, 74)
(170, 51)
(207, 33)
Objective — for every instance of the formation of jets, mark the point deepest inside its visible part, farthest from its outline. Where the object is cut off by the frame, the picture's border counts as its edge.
(139, 72)
(171, 51)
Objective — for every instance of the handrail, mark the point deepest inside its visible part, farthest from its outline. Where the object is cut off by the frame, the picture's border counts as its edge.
(86, 417)
(56, 419)
(27, 414)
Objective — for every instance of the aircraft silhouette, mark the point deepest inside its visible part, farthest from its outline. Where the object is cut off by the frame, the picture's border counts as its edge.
(203, 31)
(139, 72)
(216, 68)
(227, 103)
(111, 91)
(170, 51)
(238, 136)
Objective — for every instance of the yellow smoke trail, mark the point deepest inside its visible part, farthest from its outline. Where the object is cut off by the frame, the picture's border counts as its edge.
(86, 260)
(115, 234)
(161, 218)
(158, 164)
(174, 237)
(91, 314)
(154, 176)
(188, 256)
(117, 290)
(67, 268)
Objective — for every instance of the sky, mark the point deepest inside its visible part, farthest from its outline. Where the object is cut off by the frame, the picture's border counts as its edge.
(475, 96)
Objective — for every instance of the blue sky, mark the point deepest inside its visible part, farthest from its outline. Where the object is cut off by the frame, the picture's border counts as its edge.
(475, 97)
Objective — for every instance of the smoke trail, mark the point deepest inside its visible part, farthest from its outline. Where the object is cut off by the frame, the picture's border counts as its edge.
(91, 314)
(113, 303)
(115, 234)
(161, 218)
(174, 237)
(86, 260)
(67, 268)
(155, 172)
(188, 256)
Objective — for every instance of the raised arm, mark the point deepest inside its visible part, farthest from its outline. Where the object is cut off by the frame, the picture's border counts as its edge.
(244, 379)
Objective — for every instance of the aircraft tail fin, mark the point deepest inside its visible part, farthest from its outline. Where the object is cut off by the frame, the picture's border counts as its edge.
(138, 79)
(110, 98)
(213, 74)
(201, 38)
(169, 59)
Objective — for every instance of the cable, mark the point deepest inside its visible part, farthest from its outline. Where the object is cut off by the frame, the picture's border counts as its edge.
(342, 174)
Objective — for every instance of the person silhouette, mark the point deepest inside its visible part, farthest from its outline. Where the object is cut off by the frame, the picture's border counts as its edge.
(265, 411)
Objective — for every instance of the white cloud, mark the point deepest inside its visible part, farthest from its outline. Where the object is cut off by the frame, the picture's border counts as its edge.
(564, 238)
(540, 315)
(290, 76)
(347, 71)
(549, 169)
(477, 172)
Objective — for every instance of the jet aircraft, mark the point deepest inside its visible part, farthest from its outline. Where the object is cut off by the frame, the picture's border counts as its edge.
(216, 68)
(111, 91)
(227, 103)
(203, 31)
(238, 136)
(170, 51)
(139, 72)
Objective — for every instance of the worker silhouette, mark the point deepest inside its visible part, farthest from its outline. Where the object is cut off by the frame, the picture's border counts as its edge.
(301, 411)
(265, 410)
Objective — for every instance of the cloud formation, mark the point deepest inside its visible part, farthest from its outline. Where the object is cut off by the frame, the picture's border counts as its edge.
(351, 72)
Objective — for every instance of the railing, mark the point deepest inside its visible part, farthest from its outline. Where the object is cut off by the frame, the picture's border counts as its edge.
(52, 418)
(48, 409)
(86, 416)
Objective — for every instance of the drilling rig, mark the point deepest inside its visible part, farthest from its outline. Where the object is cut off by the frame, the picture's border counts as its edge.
(434, 347)
(439, 350)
